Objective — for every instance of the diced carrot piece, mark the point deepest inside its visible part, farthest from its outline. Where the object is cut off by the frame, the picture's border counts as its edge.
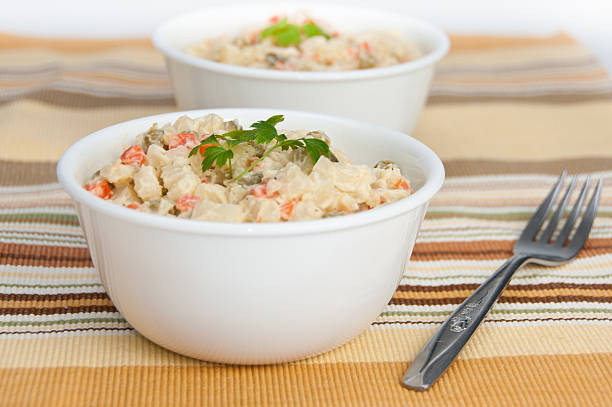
(335, 34)
(182, 139)
(286, 209)
(186, 202)
(134, 206)
(260, 191)
(203, 147)
(366, 46)
(402, 184)
(274, 19)
(101, 189)
(204, 181)
(134, 155)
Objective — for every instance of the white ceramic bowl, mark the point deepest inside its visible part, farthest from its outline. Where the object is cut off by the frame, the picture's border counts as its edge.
(391, 96)
(244, 292)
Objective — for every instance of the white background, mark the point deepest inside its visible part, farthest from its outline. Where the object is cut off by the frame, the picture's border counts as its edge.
(590, 21)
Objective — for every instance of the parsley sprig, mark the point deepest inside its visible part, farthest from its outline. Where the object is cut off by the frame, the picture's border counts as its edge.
(262, 132)
(287, 34)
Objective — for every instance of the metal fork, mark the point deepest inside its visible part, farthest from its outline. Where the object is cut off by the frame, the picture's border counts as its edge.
(447, 342)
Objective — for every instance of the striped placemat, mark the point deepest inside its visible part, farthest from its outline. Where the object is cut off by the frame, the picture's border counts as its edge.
(549, 337)
(505, 115)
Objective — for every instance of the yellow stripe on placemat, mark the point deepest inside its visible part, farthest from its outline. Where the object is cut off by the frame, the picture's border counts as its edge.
(489, 42)
(500, 131)
(56, 127)
(514, 381)
(390, 344)
(510, 131)
(68, 45)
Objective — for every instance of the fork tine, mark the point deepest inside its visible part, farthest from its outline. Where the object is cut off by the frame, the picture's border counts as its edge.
(552, 225)
(571, 219)
(582, 232)
(538, 218)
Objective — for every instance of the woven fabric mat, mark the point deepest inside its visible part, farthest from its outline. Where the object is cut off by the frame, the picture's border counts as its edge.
(506, 115)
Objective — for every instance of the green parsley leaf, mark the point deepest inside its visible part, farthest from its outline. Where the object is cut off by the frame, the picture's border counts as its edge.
(274, 120)
(236, 135)
(316, 148)
(208, 140)
(291, 144)
(289, 36)
(194, 150)
(265, 133)
(216, 154)
(284, 33)
(312, 30)
(231, 143)
(275, 29)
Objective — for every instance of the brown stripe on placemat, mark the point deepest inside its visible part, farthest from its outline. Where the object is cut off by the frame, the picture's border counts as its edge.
(57, 310)
(470, 167)
(35, 255)
(26, 173)
(490, 249)
(39, 255)
(504, 299)
(492, 320)
(53, 308)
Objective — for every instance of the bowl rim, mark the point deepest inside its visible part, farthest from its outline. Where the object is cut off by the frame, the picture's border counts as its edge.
(439, 37)
(434, 177)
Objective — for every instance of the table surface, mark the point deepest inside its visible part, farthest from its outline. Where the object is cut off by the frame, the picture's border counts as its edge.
(505, 114)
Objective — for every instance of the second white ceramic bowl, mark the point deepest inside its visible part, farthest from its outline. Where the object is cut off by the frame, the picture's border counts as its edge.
(391, 96)
(252, 292)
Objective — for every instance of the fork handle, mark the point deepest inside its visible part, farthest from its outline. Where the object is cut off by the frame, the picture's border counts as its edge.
(451, 337)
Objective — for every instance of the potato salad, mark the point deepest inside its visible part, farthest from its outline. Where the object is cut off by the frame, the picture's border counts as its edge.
(300, 44)
(210, 169)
